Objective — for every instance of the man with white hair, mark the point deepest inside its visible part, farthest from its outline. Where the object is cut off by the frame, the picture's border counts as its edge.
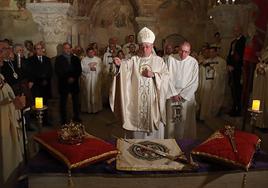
(181, 122)
(139, 91)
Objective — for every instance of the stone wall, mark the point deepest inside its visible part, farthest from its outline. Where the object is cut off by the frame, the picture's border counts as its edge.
(111, 18)
(17, 24)
(97, 21)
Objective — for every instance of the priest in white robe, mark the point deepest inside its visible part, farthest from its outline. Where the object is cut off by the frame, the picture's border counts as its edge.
(168, 52)
(107, 71)
(213, 87)
(260, 90)
(139, 91)
(92, 79)
(181, 120)
(11, 154)
(132, 51)
(202, 57)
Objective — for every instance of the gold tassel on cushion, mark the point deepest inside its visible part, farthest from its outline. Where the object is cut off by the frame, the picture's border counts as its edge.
(244, 182)
(70, 179)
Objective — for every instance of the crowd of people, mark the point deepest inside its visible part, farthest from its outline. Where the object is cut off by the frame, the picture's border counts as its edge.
(153, 95)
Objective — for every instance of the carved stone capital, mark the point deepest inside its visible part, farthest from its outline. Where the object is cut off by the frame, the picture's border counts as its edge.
(52, 19)
(50, 8)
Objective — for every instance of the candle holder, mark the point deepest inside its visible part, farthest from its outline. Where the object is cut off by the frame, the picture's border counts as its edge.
(254, 114)
(39, 112)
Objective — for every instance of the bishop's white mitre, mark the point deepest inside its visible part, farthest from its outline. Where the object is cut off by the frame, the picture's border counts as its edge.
(146, 36)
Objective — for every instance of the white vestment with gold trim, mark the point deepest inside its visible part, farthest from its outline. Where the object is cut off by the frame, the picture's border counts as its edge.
(141, 100)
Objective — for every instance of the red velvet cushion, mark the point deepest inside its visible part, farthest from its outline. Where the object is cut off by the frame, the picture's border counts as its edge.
(91, 150)
(218, 147)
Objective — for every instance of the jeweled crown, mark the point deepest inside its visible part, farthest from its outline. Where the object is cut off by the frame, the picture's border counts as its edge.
(72, 133)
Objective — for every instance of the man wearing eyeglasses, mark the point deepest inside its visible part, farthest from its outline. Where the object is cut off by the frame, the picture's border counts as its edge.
(181, 122)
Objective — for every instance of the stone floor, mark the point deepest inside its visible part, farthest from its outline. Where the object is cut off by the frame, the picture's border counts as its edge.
(103, 124)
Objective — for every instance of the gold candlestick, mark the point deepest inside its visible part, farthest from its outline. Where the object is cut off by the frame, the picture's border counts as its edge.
(39, 112)
(254, 114)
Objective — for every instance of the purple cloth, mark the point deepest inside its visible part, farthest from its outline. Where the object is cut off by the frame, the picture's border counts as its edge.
(44, 162)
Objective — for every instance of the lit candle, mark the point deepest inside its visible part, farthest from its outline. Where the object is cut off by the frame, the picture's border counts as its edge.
(256, 105)
(38, 102)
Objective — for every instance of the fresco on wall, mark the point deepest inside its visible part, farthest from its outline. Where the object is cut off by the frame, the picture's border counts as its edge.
(181, 17)
(112, 18)
(8, 5)
(4, 3)
(119, 18)
(20, 25)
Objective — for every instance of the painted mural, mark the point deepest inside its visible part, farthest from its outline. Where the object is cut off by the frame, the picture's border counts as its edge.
(112, 18)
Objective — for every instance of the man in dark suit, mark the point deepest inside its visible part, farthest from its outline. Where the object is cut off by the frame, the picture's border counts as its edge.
(39, 72)
(234, 64)
(68, 70)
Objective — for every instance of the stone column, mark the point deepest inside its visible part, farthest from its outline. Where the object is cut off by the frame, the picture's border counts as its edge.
(79, 32)
(53, 21)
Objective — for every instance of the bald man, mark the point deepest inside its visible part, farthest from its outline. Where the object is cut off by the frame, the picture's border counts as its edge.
(181, 120)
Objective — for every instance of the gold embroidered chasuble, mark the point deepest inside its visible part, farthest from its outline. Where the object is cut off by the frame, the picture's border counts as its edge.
(10, 145)
(140, 101)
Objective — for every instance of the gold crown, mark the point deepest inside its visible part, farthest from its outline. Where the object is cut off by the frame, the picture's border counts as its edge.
(72, 133)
